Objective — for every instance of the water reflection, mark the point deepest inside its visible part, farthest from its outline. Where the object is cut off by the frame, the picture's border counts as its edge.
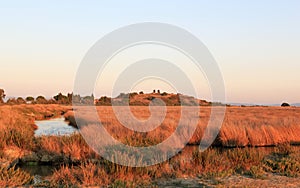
(56, 126)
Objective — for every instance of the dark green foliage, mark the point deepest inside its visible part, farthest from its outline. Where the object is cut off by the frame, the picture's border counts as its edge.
(62, 99)
(285, 104)
(2, 95)
(20, 100)
(41, 100)
(29, 99)
(104, 101)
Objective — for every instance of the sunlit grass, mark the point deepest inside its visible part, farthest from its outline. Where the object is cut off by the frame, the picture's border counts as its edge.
(248, 126)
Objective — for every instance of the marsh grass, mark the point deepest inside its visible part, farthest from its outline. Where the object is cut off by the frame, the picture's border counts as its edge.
(283, 163)
(210, 164)
(73, 147)
(247, 126)
(15, 129)
(255, 126)
(14, 177)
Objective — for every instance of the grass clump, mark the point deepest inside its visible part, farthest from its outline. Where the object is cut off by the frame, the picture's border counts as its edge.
(286, 166)
(13, 177)
(87, 174)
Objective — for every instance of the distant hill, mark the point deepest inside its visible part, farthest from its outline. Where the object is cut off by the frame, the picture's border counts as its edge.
(141, 99)
(241, 104)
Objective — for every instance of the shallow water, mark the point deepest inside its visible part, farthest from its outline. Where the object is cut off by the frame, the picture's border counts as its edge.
(56, 127)
(40, 170)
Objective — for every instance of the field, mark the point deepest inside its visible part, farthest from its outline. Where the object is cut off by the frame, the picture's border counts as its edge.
(242, 126)
(243, 129)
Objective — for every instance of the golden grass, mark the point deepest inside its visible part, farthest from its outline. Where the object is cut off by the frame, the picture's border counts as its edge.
(73, 146)
(212, 163)
(13, 177)
(247, 126)
(15, 128)
(17, 137)
(242, 126)
(260, 126)
(17, 123)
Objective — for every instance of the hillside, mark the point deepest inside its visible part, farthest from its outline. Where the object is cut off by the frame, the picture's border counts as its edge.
(157, 99)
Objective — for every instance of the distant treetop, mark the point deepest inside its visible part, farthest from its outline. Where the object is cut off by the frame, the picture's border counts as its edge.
(285, 104)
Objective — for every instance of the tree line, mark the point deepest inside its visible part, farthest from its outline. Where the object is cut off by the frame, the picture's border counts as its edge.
(57, 99)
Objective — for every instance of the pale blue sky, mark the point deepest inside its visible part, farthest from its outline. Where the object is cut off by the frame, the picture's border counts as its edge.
(256, 43)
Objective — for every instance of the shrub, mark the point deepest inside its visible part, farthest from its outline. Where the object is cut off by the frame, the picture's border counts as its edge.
(285, 104)
(29, 99)
(41, 100)
(20, 100)
(2, 95)
(62, 99)
(11, 101)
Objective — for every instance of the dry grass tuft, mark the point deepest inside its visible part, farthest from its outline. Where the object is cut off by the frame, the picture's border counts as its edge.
(13, 177)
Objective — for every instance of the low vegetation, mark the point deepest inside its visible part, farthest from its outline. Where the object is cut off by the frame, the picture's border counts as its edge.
(13, 177)
(210, 164)
(81, 166)
(247, 126)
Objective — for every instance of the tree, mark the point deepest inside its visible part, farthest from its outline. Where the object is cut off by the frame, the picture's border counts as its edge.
(2, 95)
(29, 99)
(11, 101)
(76, 99)
(70, 98)
(41, 100)
(88, 100)
(104, 101)
(61, 99)
(20, 100)
(285, 104)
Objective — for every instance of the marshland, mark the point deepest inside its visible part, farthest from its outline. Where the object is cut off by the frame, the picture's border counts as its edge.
(150, 82)
(256, 146)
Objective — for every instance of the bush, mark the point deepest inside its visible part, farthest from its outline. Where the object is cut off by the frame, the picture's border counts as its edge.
(41, 100)
(62, 99)
(2, 95)
(29, 99)
(285, 104)
(20, 100)
(11, 101)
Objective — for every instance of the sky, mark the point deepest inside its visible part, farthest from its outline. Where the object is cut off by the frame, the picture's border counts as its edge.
(255, 43)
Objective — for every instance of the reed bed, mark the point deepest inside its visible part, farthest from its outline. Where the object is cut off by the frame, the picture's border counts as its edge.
(242, 126)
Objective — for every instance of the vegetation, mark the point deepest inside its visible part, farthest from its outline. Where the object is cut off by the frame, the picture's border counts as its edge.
(13, 177)
(247, 126)
(41, 100)
(20, 100)
(141, 99)
(81, 166)
(210, 164)
(285, 104)
(29, 99)
(133, 99)
(2, 95)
